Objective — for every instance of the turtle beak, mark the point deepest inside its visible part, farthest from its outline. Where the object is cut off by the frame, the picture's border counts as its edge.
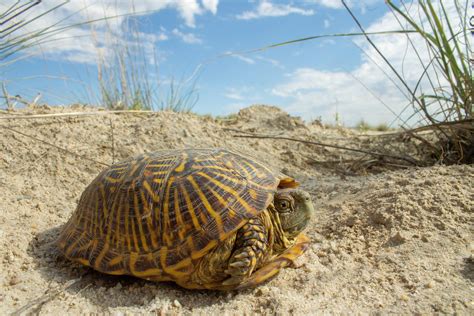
(305, 211)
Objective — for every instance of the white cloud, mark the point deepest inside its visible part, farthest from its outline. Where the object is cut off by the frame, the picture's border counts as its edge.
(210, 5)
(252, 61)
(234, 94)
(242, 96)
(334, 4)
(337, 4)
(316, 93)
(271, 61)
(189, 38)
(188, 9)
(267, 9)
(82, 42)
(357, 94)
(247, 60)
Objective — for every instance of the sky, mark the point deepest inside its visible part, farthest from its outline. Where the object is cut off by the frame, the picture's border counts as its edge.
(210, 46)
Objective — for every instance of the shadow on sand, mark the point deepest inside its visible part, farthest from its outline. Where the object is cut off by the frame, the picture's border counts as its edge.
(107, 291)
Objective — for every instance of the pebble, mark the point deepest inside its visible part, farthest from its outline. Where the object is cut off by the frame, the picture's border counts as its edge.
(398, 239)
(404, 297)
(23, 197)
(14, 280)
(321, 254)
(177, 304)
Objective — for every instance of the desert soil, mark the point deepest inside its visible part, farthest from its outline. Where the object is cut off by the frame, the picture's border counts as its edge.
(398, 241)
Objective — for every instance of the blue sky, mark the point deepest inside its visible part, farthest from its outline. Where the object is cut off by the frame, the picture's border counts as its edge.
(313, 79)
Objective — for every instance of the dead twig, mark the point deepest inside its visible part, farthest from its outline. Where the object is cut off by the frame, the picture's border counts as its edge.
(5, 95)
(53, 115)
(246, 132)
(462, 124)
(53, 145)
(36, 100)
(48, 296)
(113, 141)
(403, 158)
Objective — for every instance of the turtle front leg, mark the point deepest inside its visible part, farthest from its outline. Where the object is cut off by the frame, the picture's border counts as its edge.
(250, 248)
(272, 268)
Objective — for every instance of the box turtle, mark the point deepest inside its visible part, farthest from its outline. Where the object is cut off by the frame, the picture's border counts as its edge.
(203, 218)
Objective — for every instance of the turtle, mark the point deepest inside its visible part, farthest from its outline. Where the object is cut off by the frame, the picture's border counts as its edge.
(203, 218)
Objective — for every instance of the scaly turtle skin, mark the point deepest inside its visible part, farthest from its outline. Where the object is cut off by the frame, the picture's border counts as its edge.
(203, 218)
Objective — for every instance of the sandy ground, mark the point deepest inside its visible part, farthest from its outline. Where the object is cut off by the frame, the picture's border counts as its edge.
(392, 242)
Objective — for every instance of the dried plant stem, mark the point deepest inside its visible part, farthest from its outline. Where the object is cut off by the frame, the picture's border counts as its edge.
(48, 296)
(403, 158)
(112, 139)
(54, 115)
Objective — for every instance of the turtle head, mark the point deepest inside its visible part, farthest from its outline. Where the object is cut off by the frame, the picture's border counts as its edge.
(294, 209)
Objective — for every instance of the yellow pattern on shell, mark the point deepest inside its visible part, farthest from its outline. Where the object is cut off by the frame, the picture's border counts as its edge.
(155, 215)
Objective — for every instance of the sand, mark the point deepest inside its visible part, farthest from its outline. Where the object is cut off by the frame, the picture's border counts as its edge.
(396, 241)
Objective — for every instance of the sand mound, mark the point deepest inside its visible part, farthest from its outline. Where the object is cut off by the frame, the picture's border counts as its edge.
(395, 242)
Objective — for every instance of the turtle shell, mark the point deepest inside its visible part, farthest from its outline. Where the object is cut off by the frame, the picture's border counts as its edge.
(155, 215)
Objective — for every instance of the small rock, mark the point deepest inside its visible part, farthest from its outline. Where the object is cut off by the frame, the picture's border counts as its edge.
(177, 304)
(404, 297)
(9, 257)
(317, 238)
(260, 292)
(396, 239)
(322, 254)
(430, 285)
(14, 280)
(23, 197)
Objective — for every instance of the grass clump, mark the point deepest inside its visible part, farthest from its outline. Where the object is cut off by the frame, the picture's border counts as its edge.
(16, 17)
(127, 67)
(363, 126)
(129, 79)
(446, 110)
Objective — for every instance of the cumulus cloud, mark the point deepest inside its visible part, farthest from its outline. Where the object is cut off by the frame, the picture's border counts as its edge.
(210, 5)
(315, 93)
(81, 42)
(267, 9)
(365, 92)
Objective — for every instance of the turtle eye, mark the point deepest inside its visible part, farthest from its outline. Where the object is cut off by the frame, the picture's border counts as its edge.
(283, 205)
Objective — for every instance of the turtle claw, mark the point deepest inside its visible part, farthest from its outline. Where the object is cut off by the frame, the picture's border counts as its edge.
(242, 255)
(233, 280)
(240, 264)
